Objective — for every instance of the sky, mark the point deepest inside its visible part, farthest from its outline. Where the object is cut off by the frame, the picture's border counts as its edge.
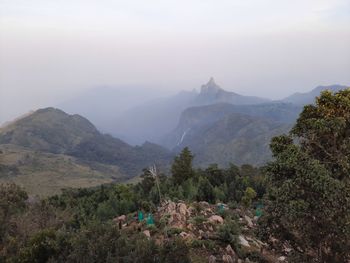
(53, 50)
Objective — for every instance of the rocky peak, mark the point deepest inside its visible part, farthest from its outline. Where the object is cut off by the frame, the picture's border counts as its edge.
(210, 87)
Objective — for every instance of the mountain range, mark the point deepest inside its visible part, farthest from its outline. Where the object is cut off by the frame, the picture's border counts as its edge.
(57, 149)
(53, 133)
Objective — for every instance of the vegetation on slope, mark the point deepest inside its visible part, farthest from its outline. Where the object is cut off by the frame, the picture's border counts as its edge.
(53, 131)
(45, 174)
(305, 191)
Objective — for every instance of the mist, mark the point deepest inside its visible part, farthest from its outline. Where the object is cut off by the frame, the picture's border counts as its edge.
(52, 52)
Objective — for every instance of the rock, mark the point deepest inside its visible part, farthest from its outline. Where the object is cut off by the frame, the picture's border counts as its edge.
(227, 259)
(230, 251)
(282, 258)
(249, 221)
(203, 203)
(147, 233)
(191, 210)
(212, 259)
(243, 241)
(168, 207)
(182, 208)
(216, 219)
(121, 218)
(177, 220)
(184, 235)
(190, 227)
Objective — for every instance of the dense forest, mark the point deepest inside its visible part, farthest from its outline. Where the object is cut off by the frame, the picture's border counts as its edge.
(300, 202)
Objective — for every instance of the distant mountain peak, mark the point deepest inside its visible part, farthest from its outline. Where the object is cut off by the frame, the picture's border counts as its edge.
(210, 87)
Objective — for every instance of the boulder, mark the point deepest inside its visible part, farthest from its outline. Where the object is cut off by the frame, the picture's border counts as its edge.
(147, 233)
(212, 259)
(243, 241)
(281, 258)
(170, 207)
(204, 204)
(121, 218)
(230, 251)
(249, 221)
(184, 235)
(190, 227)
(216, 219)
(182, 208)
(177, 220)
(227, 259)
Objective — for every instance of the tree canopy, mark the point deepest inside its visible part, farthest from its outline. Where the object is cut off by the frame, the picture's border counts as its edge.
(309, 190)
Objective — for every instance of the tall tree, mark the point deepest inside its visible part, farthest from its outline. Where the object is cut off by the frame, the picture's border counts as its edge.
(309, 189)
(182, 166)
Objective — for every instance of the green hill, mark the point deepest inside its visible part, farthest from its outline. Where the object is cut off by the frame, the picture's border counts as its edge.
(45, 174)
(69, 150)
(225, 133)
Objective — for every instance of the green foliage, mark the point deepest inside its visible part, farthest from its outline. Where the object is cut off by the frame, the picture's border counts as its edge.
(175, 251)
(12, 201)
(41, 247)
(76, 226)
(205, 190)
(229, 231)
(198, 220)
(181, 169)
(309, 189)
(249, 195)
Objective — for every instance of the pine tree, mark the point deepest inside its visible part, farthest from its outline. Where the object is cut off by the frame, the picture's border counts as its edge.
(182, 166)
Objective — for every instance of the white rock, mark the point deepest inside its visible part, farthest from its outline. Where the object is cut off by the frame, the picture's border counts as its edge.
(147, 233)
(243, 241)
(249, 221)
(184, 235)
(182, 208)
(230, 251)
(212, 259)
(227, 259)
(216, 219)
(282, 258)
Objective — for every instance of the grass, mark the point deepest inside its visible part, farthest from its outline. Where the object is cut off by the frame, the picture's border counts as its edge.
(46, 174)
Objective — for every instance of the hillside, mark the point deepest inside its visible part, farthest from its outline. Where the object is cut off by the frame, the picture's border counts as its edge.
(45, 174)
(152, 120)
(234, 139)
(309, 97)
(224, 133)
(53, 131)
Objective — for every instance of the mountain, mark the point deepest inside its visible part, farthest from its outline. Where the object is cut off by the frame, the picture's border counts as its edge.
(212, 93)
(54, 131)
(152, 120)
(224, 133)
(309, 97)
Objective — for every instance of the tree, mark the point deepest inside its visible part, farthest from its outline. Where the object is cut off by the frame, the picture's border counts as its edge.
(324, 132)
(182, 166)
(309, 189)
(12, 201)
(205, 190)
(249, 195)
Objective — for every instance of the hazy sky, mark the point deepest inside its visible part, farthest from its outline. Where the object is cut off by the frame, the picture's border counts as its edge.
(51, 50)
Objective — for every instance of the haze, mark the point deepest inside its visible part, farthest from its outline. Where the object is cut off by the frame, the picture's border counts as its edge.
(50, 51)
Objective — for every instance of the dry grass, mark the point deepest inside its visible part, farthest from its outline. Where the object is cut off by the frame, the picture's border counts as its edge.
(45, 174)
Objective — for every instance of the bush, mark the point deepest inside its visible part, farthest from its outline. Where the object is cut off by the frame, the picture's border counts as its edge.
(228, 232)
(175, 251)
